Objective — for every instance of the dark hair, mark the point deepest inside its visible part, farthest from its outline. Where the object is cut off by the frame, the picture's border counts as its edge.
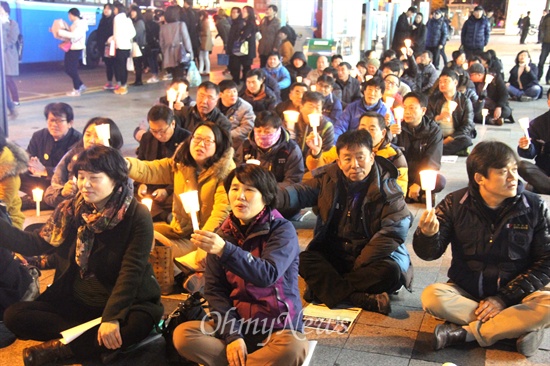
(103, 159)
(208, 85)
(75, 12)
(393, 76)
(238, 10)
(428, 52)
(421, 98)
(394, 65)
(354, 138)
(268, 118)
(258, 177)
(295, 85)
(388, 54)
(274, 7)
(223, 143)
(362, 64)
(172, 14)
(6, 6)
(58, 110)
(413, 9)
(251, 14)
(203, 14)
(488, 154)
(274, 53)
(456, 54)
(110, 6)
(368, 53)
(548, 94)
(138, 13)
(519, 53)
(160, 112)
(120, 7)
(256, 72)
(378, 116)
(449, 73)
(334, 57)
(313, 96)
(115, 140)
(346, 64)
(331, 71)
(227, 84)
(180, 81)
(326, 79)
(375, 81)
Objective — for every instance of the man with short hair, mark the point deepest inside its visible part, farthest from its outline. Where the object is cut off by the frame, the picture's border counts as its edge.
(297, 91)
(427, 74)
(269, 28)
(237, 110)
(395, 67)
(358, 251)
(538, 147)
(492, 96)
(403, 29)
(204, 110)
(46, 148)
(436, 35)
(336, 60)
(332, 106)
(499, 236)
(351, 88)
(371, 101)
(456, 125)
(161, 141)
(257, 93)
(313, 75)
(475, 33)
(278, 72)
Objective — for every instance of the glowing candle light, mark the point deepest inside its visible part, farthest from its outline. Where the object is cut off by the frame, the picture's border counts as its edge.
(484, 113)
(398, 113)
(190, 201)
(314, 122)
(37, 195)
(171, 95)
(148, 202)
(103, 132)
(524, 124)
(427, 180)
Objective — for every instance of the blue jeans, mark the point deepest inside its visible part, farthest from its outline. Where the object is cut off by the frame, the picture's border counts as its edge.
(533, 91)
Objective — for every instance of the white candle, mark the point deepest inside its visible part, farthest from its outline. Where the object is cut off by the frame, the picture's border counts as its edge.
(465, 66)
(148, 202)
(171, 96)
(299, 79)
(404, 51)
(291, 117)
(484, 113)
(181, 90)
(103, 132)
(37, 194)
(314, 122)
(452, 106)
(524, 124)
(368, 77)
(398, 113)
(427, 180)
(313, 87)
(190, 201)
(389, 102)
(253, 161)
(408, 43)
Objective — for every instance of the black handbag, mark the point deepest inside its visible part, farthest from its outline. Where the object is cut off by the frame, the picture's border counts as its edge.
(190, 309)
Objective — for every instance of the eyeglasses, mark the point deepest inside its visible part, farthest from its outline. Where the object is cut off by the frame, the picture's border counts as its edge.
(57, 121)
(391, 83)
(161, 131)
(207, 142)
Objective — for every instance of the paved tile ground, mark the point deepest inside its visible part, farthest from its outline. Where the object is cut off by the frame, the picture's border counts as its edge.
(403, 338)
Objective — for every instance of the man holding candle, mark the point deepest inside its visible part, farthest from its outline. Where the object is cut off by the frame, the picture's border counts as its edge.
(499, 235)
(403, 29)
(493, 96)
(454, 113)
(357, 253)
(538, 147)
(237, 110)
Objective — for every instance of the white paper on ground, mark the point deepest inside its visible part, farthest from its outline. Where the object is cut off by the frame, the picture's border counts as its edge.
(73, 333)
(449, 159)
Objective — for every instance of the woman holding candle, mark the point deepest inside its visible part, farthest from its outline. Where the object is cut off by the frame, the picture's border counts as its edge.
(63, 184)
(102, 238)
(201, 163)
(523, 83)
(251, 278)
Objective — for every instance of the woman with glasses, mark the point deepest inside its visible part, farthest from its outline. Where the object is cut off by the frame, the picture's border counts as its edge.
(251, 282)
(200, 163)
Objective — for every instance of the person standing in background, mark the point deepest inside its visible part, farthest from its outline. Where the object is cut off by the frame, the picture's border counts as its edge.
(190, 17)
(140, 39)
(123, 33)
(152, 48)
(76, 34)
(418, 35)
(544, 28)
(206, 43)
(10, 33)
(436, 36)
(269, 28)
(403, 29)
(475, 33)
(541, 33)
(243, 30)
(525, 25)
(104, 32)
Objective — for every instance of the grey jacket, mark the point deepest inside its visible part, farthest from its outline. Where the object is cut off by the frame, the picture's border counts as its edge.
(241, 115)
(171, 36)
(10, 33)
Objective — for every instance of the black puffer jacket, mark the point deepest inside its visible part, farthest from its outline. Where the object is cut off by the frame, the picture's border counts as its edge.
(463, 116)
(508, 258)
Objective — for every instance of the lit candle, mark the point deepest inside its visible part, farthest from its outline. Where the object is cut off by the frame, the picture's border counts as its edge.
(181, 90)
(465, 66)
(524, 124)
(427, 180)
(404, 51)
(299, 79)
(488, 80)
(389, 102)
(407, 43)
(313, 87)
(484, 113)
(171, 95)
(37, 194)
(452, 106)
(314, 122)
(103, 132)
(190, 201)
(398, 113)
(148, 202)
(253, 161)
(291, 117)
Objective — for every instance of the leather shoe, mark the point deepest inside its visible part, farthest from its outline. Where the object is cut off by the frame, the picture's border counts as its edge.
(46, 352)
(448, 334)
(378, 303)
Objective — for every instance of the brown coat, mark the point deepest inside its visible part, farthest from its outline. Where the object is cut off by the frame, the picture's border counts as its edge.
(206, 36)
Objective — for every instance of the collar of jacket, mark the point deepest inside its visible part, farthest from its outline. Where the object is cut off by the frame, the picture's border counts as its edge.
(259, 227)
(371, 107)
(231, 109)
(212, 116)
(219, 169)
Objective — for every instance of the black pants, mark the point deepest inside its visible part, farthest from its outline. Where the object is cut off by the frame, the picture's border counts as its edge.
(44, 320)
(332, 282)
(152, 55)
(12, 88)
(470, 52)
(524, 33)
(435, 53)
(14, 280)
(72, 58)
(138, 67)
(542, 60)
(535, 176)
(109, 67)
(121, 73)
(459, 143)
(491, 106)
(263, 60)
(235, 63)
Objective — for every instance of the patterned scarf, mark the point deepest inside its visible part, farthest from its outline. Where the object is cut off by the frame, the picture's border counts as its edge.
(235, 227)
(88, 221)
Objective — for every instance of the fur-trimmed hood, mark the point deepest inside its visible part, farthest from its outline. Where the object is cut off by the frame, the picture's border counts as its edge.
(13, 161)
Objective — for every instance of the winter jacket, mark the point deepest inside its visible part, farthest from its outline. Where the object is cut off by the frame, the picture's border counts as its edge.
(13, 161)
(280, 74)
(76, 34)
(206, 36)
(241, 116)
(242, 31)
(349, 120)
(539, 148)
(528, 79)
(190, 17)
(303, 129)
(418, 37)
(119, 261)
(286, 50)
(332, 108)
(104, 32)
(475, 33)
(172, 37)
(152, 34)
(401, 32)
(223, 26)
(302, 71)
(384, 214)
(189, 118)
(265, 100)
(422, 146)
(123, 32)
(545, 29)
(140, 37)
(209, 184)
(508, 257)
(269, 30)
(436, 32)
(284, 159)
(463, 116)
(427, 77)
(10, 36)
(255, 281)
(351, 91)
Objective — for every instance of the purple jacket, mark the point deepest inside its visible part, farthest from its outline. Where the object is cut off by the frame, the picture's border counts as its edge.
(255, 281)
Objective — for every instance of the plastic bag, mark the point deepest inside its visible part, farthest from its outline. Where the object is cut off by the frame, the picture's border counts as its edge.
(130, 64)
(193, 75)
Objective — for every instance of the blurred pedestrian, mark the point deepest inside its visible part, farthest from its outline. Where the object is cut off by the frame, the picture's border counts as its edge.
(269, 28)
(123, 33)
(152, 48)
(525, 25)
(436, 36)
(10, 33)
(141, 40)
(173, 36)
(242, 37)
(207, 44)
(475, 33)
(418, 35)
(104, 32)
(76, 34)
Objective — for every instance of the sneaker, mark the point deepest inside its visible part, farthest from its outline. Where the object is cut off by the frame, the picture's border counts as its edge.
(137, 83)
(464, 152)
(379, 303)
(525, 98)
(82, 88)
(167, 77)
(529, 343)
(153, 79)
(122, 90)
(74, 93)
(109, 86)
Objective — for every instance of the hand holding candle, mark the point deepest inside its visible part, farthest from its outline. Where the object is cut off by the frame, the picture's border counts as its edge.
(427, 180)
(313, 87)
(488, 80)
(398, 113)
(524, 124)
(171, 95)
(291, 117)
(314, 122)
(190, 201)
(37, 194)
